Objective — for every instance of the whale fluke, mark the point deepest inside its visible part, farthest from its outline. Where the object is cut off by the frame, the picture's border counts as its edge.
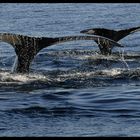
(111, 34)
(26, 48)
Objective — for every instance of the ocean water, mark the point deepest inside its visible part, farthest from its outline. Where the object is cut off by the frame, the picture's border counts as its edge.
(72, 90)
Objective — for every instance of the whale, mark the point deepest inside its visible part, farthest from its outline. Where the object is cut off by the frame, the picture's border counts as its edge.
(27, 47)
(115, 35)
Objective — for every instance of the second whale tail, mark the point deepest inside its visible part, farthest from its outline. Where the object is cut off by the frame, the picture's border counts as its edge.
(111, 34)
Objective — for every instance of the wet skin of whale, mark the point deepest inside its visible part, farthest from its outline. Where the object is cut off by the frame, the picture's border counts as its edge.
(111, 34)
(26, 48)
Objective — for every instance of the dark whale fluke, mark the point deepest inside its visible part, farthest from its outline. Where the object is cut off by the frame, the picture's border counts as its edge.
(111, 34)
(26, 47)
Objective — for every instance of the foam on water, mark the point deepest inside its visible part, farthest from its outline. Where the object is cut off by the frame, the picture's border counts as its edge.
(21, 78)
(107, 73)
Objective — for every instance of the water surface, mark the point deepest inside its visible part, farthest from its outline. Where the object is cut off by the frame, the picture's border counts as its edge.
(72, 90)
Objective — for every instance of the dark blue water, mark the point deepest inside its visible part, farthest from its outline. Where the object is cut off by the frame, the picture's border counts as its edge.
(72, 90)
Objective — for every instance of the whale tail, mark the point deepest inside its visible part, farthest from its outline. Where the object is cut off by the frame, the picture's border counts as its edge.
(26, 48)
(104, 49)
(111, 34)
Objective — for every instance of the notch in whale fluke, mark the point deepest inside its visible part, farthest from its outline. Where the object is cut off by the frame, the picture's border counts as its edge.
(27, 47)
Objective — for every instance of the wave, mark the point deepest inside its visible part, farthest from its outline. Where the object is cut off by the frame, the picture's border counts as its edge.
(80, 68)
(74, 79)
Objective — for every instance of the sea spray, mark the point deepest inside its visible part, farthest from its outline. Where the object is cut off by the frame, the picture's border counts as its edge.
(14, 65)
(8, 77)
(121, 53)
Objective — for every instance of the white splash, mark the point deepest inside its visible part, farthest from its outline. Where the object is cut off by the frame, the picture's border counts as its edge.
(112, 72)
(122, 59)
(102, 73)
(21, 78)
(14, 67)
